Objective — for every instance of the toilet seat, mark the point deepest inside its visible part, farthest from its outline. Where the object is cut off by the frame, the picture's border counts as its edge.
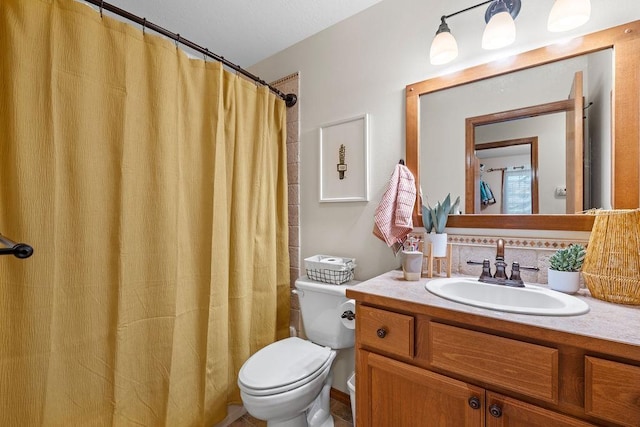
(284, 365)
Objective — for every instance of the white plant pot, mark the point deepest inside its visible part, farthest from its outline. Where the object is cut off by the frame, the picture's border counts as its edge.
(564, 281)
(438, 244)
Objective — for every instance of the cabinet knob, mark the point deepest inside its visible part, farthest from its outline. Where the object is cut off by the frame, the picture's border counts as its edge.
(382, 332)
(495, 411)
(474, 402)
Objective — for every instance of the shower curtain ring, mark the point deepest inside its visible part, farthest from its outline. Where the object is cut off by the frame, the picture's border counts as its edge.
(101, 3)
(205, 54)
(177, 40)
(144, 24)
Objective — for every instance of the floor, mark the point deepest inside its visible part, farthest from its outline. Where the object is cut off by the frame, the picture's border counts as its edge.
(341, 417)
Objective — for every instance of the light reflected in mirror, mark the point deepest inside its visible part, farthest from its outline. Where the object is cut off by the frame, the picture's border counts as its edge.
(480, 110)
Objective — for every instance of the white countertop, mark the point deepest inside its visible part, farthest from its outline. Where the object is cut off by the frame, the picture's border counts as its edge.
(607, 321)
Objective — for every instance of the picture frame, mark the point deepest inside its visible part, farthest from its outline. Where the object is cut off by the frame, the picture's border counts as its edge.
(344, 160)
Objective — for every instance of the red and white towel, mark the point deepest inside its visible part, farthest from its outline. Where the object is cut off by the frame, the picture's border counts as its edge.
(393, 218)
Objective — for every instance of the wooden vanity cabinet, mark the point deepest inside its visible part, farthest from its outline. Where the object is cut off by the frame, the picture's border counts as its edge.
(443, 369)
(399, 394)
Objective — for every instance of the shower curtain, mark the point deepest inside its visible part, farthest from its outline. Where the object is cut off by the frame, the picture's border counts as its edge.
(153, 189)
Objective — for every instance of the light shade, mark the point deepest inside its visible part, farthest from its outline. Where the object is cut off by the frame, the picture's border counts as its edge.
(566, 15)
(499, 32)
(444, 48)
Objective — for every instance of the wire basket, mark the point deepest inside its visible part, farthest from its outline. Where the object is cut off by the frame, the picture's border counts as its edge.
(330, 269)
(611, 268)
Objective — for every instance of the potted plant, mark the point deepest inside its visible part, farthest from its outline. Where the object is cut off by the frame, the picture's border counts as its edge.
(564, 269)
(436, 219)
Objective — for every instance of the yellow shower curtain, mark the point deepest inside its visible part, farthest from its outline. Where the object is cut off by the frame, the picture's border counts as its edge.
(153, 190)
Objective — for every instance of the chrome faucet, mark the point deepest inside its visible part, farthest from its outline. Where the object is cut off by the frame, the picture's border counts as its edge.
(500, 276)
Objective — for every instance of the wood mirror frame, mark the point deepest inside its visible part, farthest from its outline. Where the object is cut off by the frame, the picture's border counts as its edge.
(625, 132)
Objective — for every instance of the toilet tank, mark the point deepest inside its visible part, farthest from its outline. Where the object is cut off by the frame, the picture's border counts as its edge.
(320, 306)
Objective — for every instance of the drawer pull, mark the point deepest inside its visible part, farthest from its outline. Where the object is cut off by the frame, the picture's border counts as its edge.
(382, 332)
(495, 411)
(474, 402)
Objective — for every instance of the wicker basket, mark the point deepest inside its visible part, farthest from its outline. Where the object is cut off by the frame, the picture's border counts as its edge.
(329, 269)
(611, 268)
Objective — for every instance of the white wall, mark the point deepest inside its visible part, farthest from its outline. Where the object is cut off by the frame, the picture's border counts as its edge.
(362, 65)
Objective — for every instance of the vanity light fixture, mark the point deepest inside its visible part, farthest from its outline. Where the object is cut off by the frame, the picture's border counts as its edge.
(500, 30)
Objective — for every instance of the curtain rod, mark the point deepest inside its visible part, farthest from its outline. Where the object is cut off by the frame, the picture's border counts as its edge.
(290, 99)
(19, 250)
(504, 169)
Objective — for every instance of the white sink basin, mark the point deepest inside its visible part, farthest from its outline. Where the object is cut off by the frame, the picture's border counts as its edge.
(527, 300)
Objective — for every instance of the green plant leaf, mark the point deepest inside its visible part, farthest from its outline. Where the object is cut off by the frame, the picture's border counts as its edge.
(439, 214)
(568, 259)
(427, 222)
(454, 207)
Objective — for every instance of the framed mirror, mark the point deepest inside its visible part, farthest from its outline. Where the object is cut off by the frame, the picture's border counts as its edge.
(620, 173)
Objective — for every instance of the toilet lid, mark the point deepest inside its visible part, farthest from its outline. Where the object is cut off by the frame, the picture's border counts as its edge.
(281, 363)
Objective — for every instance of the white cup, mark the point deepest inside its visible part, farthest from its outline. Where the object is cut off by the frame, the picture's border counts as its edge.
(412, 265)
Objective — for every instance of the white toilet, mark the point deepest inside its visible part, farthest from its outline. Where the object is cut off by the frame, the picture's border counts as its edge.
(287, 383)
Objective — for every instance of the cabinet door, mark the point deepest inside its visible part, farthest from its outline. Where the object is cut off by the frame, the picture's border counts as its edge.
(612, 391)
(503, 411)
(397, 394)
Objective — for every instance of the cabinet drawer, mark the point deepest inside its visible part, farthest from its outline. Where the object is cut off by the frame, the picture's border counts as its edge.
(529, 369)
(612, 391)
(385, 330)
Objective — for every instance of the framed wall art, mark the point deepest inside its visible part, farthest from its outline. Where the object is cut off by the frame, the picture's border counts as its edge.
(344, 160)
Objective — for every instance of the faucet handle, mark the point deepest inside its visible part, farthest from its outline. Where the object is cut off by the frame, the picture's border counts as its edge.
(515, 271)
(486, 268)
(529, 268)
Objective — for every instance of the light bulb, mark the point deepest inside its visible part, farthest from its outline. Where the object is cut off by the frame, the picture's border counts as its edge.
(566, 15)
(499, 32)
(444, 48)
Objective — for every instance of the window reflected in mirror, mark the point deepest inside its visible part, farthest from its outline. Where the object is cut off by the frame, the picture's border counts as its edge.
(507, 181)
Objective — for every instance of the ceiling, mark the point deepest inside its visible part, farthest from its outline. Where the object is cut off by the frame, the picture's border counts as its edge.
(244, 31)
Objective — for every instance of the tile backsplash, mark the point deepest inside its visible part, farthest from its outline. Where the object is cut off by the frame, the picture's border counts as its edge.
(529, 252)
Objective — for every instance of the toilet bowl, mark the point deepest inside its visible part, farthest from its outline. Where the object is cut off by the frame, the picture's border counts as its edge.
(281, 392)
(288, 382)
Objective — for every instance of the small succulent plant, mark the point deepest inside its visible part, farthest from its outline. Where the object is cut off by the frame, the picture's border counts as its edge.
(436, 218)
(568, 259)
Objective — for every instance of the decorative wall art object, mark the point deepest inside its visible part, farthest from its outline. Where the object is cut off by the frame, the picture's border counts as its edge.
(344, 158)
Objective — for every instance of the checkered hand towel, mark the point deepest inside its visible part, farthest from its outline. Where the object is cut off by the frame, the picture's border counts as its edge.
(393, 217)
